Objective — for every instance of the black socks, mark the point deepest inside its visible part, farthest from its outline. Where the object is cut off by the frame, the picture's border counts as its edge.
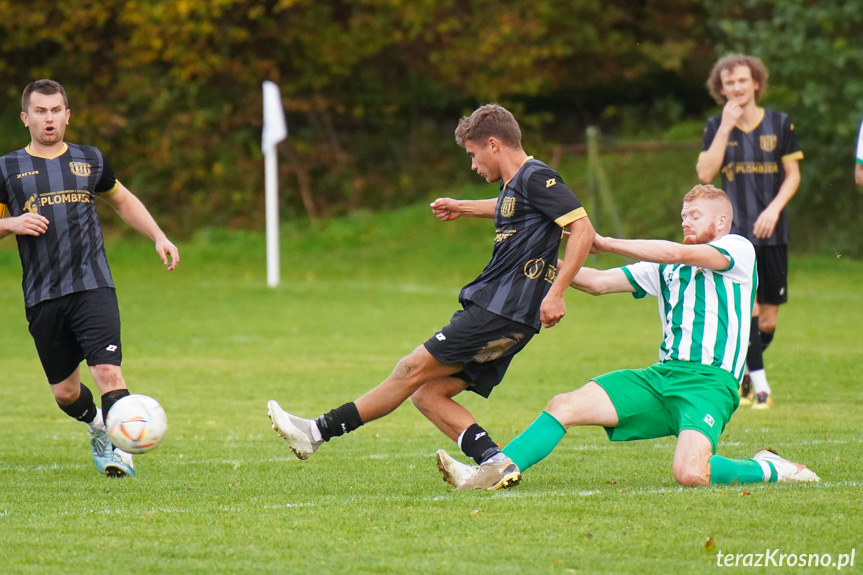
(754, 361)
(83, 409)
(110, 398)
(766, 338)
(339, 421)
(476, 444)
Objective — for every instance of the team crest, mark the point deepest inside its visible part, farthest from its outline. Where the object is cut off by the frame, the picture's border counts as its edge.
(507, 207)
(533, 268)
(768, 143)
(80, 168)
(30, 205)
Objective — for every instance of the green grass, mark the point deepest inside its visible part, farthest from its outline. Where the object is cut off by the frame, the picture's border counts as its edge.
(224, 495)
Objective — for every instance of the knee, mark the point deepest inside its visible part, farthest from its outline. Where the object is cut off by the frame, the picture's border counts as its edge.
(767, 324)
(66, 395)
(421, 398)
(691, 476)
(563, 407)
(107, 374)
(409, 372)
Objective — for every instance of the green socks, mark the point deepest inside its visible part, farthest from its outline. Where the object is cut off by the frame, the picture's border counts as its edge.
(724, 470)
(536, 442)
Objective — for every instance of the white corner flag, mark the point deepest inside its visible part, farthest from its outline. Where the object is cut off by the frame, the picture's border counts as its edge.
(275, 130)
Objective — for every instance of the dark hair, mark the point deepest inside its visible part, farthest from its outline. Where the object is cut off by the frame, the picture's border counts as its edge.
(755, 65)
(46, 87)
(489, 121)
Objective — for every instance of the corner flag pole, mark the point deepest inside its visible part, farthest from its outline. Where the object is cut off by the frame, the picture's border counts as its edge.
(275, 130)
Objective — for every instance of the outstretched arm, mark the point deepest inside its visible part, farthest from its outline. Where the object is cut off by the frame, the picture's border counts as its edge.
(600, 282)
(446, 209)
(664, 252)
(581, 235)
(139, 219)
(858, 173)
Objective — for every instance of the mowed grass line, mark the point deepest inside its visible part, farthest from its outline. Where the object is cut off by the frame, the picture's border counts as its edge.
(224, 495)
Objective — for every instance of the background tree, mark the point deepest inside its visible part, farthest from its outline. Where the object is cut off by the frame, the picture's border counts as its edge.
(373, 88)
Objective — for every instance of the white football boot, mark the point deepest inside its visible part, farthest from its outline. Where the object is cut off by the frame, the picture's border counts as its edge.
(454, 472)
(785, 470)
(493, 474)
(295, 430)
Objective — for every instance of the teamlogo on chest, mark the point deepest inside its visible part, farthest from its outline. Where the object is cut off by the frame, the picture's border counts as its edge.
(768, 142)
(80, 168)
(507, 207)
(30, 205)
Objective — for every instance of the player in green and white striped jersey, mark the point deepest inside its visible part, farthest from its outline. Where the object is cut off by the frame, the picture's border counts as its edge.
(706, 290)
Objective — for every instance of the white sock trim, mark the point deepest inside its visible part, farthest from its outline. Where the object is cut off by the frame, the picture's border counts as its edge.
(98, 422)
(316, 433)
(765, 469)
(759, 381)
(460, 436)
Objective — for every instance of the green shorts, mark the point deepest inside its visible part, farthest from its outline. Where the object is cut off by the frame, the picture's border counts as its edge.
(668, 397)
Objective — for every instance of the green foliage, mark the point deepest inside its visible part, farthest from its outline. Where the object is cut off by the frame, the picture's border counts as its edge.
(814, 51)
(224, 495)
(171, 91)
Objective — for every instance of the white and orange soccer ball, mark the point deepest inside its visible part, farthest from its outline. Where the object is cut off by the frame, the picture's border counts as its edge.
(136, 423)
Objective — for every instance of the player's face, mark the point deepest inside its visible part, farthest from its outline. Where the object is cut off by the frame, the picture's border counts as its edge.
(699, 222)
(47, 117)
(738, 85)
(484, 159)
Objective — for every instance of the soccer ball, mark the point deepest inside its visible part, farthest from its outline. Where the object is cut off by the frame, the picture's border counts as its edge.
(136, 423)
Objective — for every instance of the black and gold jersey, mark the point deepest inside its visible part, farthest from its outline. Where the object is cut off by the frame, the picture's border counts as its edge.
(752, 170)
(70, 256)
(531, 210)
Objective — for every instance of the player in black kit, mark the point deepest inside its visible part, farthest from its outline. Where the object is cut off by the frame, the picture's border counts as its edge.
(48, 194)
(520, 290)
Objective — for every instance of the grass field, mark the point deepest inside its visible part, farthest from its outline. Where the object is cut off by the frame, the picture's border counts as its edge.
(224, 495)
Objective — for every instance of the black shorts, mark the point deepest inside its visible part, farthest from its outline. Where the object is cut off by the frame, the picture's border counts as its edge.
(483, 341)
(772, 274)
(78, 326)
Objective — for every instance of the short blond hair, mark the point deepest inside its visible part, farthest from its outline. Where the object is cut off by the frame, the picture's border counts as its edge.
(755, 65)
(710, 193)
(705, 192)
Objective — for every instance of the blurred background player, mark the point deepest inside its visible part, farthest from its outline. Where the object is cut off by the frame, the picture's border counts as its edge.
(520, 290)
(49, 189)
(757, 153)
(705, 288)
(858, 166)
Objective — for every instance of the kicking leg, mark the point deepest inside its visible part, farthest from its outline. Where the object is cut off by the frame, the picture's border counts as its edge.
(306, 435)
